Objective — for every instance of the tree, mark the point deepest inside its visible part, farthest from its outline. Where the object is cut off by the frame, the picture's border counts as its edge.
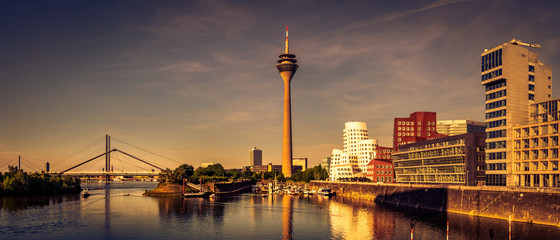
(280, 177)
(182, 172)
(233, 173)
(165, 175)
(247, 174)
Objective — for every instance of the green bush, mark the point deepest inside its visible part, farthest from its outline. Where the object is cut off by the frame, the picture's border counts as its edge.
(19, 182)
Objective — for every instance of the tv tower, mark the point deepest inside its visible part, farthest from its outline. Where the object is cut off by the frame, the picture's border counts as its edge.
(287, 67)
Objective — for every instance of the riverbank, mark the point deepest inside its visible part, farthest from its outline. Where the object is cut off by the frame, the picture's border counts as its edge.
(16, 182)
(523, 205)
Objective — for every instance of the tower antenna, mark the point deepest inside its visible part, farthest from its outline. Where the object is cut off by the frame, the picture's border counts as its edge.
(287, 46)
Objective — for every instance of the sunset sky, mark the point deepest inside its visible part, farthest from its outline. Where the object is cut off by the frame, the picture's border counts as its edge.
(196, 81)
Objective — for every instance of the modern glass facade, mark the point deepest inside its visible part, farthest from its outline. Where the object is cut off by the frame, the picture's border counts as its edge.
(453, 160)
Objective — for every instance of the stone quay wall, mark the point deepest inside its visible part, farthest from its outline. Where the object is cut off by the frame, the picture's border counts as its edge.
(540, 206)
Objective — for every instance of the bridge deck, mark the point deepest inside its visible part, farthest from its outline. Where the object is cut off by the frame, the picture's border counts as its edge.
(98, 174)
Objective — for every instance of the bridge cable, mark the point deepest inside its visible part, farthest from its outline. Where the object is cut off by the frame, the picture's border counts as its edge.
(35, 167)
(89, 160)
(122, 161)
(119, 159)
(86, 156)
(7, 163)
(144, 161)
(29, 167)
(134, 165)
(159, 155)
(97, 141)
(82, 154)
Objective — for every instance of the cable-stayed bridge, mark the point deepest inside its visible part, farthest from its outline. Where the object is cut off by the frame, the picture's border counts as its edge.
(102, 159)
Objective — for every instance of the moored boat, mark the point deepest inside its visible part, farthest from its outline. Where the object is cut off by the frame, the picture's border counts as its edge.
(325, 192)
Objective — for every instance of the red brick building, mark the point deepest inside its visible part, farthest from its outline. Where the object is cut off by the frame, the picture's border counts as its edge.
(383, 152)
(420, 126)
(381, 170)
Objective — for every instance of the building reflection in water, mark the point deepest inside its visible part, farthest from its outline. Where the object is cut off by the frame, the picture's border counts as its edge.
(354, 219)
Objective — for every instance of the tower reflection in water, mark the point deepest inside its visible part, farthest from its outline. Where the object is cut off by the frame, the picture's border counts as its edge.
(287, 217)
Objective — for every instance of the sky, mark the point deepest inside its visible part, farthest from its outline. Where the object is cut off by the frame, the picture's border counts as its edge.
(196, 81)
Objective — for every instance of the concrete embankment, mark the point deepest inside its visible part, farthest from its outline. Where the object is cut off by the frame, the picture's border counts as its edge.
(525, 205)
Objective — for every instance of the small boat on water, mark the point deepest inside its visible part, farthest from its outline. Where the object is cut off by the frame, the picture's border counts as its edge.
(325, 192)
(85, 193)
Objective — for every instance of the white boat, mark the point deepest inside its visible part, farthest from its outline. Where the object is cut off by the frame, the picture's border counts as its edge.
(85, 193)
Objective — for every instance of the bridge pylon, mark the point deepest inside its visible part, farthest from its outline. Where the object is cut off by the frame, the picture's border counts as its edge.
(107, 158)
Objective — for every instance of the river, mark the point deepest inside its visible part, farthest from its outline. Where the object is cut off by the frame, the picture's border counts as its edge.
(119, 211)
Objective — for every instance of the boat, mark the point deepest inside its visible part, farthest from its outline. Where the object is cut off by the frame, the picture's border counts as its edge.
(197, 195)
(85, 193)
(325, 192)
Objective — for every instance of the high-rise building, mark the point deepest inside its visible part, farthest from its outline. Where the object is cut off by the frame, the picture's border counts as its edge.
(514, 78)
(456, 127)
(300, 162)
(418, 127)
(287, 68)
(358, 150)
(255, 157)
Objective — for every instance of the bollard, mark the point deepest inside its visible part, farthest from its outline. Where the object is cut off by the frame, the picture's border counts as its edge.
(447, 234)
(411, 231)
(509, 221)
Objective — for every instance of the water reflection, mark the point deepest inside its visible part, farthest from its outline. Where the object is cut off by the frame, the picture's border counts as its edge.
(24, 202)
(287, 217)
(118, 212)
(107, 211)
(191, 209)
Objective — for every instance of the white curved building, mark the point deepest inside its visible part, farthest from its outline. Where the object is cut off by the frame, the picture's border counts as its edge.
(358, 150)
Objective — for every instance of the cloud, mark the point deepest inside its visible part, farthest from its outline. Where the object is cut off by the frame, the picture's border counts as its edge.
(207, 19)
(395, 15)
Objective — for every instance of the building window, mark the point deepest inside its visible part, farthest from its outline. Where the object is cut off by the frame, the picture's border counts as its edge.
(500, 94)
(496, 104)
(531, 68)
(496, 179)
(496, 84)
(531, 96)
(531, 78)
(531, 87)
(495, 114)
